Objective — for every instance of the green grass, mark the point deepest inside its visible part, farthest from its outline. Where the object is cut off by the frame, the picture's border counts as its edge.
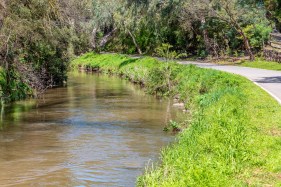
(262, 64)
(234, 138)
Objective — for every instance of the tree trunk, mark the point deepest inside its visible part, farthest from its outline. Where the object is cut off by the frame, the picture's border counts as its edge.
(107, 38)
(135, 42)
(246, 42)
(93, 38)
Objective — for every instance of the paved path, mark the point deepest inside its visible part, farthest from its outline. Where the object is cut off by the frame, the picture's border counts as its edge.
(269, 80)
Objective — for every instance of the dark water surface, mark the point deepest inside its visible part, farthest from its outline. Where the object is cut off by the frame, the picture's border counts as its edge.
(98, 131)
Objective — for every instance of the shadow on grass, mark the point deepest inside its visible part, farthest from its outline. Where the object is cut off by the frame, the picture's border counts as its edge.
(130, 61)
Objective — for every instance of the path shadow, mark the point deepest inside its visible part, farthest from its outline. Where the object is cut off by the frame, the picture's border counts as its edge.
(270, 80)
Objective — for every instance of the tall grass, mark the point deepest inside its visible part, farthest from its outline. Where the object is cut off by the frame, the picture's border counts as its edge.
(234, 138)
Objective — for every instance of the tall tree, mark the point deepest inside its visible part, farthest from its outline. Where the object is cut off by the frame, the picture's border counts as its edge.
(32, 43)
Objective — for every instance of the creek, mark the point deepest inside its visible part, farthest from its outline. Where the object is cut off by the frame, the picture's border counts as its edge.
(97, 131)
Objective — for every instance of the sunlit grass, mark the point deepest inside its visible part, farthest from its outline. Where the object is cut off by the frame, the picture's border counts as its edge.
(234, 138)
(262, 64)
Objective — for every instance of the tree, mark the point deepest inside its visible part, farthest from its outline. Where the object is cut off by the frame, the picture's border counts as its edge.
(233, 12)
(32, 46)
(273, 8)
(102, 21)
(200, 12)
(128, 20)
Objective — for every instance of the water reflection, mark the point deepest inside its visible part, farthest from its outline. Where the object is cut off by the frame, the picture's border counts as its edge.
(98, 131)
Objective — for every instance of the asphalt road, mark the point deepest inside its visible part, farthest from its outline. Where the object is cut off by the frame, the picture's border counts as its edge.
(269, 80)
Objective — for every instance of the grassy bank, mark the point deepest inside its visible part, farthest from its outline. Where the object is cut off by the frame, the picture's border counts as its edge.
(262, 64)
(234, 138)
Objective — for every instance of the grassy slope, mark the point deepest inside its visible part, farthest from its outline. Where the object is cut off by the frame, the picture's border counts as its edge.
(234, 138)
(262, 64)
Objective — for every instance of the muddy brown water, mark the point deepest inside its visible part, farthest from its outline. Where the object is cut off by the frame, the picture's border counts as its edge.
(97, 131)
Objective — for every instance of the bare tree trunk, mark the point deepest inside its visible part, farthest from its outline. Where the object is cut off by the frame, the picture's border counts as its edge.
(246, 42)
(135, 42)
(107, 38)
(93, 38)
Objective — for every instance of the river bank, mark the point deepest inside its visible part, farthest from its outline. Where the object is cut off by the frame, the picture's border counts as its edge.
(234, 136)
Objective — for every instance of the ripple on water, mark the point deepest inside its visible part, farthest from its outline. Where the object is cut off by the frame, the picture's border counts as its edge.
(98, 131)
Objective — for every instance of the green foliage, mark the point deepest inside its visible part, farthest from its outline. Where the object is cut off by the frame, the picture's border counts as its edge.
(172, 126)
(188, 26)
(14, 89)
(162, 79)
(258, 34)
(165, 51)
(45, 57)
(233, 138)
(36, 41)
(274, 12)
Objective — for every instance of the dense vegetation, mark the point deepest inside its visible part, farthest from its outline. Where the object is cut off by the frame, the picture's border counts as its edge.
(233, 138)
(37, 38)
